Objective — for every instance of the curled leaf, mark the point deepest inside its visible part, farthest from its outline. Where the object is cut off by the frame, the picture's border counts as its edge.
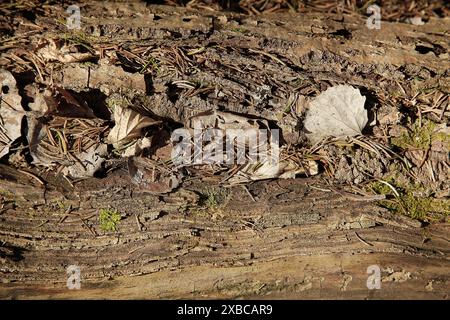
(225, 120)
(151, 176)
(128, 126)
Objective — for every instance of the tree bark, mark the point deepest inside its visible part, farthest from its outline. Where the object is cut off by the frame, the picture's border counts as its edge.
(281, 239)
(293, 238)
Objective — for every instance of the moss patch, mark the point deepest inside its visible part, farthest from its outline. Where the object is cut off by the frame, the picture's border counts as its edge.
(425, 209)
(213, 198)
(240, 30)
(6, 195)
(211, 202)
(421, 136)
(109, 219)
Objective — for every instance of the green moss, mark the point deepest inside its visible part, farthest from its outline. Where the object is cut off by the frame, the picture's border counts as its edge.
(444, 138)
(6, 194)
(213, 198)
(405, 202)
(116, 101)
(58, 206)
(151, 62)
(109, 219)
(381, 188)
(404, 199)
(424, 209)
(240, 30)
(420, 137)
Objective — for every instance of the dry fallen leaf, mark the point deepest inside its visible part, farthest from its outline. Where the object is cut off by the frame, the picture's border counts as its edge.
(11, 112)
(128, 126)
(225, 120)
(285, 169)
(136, 148)
(338, 112)
(38, 103)
(417, 21)
(55, 50)
(35, 134)
(90, 161)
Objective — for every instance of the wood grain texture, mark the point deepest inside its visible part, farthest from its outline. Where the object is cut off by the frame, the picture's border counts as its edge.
(293, 242)
(288, 239)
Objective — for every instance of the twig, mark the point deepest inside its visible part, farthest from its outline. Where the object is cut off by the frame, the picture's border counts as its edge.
(362, 240)
(32, 176)
(40, 225)
(88, 227)
(138, 222)
(354, 197)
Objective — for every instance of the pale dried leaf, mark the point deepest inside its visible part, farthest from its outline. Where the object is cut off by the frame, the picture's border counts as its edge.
(56, 51)
(337, 112)
(417, 21)
(285, 169)
(11, 112)
(90, 161)
(128, 126)
(225, 120)
(149, 176)
(136, 148)
(39, 104)
(35, 133)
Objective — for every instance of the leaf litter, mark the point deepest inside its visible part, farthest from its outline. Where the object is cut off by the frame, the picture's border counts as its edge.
(65, 133)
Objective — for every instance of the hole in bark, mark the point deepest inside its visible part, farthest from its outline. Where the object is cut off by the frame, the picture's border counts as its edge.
(154, 1)
(423, 50)
(342, 33)
(23, 80)
(100, 173)
(96, 100)
(173, 93)
(5, 89)
(11, 252)
(176, 35)
(149, 87)
(435, 48)
(439, 12)
(186, 19)
(372, 103)
(29, 15)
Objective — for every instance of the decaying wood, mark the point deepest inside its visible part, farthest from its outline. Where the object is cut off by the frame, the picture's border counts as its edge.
(277, 239)
(252, 65)
(294, 242)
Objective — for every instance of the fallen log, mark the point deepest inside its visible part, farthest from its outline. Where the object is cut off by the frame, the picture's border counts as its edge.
(296, 238)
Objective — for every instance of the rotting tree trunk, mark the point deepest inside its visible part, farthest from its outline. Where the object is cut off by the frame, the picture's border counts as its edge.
(284, 239)
(277, 239)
